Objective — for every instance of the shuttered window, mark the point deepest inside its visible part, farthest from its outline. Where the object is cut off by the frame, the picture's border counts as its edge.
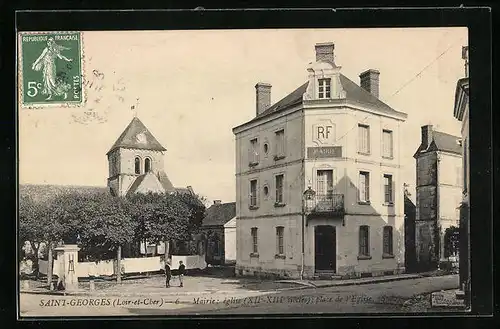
(388, 250)
(387, 144)
(279, 188)
(253, 153)
(280, 230)
(364, 186)
(280, 143)
(254, 240)
(253, 193)
(364, 240)
(388, 189)
(363, 139)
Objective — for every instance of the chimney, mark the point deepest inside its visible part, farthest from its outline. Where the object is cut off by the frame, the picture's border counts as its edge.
(369, 81)
(426, 136)
(217, 201)
(324, 52)
(263, 97)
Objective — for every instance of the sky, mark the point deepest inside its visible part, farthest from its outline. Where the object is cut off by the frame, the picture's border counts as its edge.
(190, 88)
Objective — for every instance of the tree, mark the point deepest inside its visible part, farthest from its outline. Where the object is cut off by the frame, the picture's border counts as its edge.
(160, 217)
(32, 226)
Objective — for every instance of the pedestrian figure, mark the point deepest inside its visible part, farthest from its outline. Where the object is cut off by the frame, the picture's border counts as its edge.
(168, 274)
(182, 269)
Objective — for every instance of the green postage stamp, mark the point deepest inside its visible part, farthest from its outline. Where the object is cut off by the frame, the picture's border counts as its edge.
(50, 69)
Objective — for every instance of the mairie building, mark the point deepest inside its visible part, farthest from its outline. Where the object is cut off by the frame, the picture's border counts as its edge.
(339, 142)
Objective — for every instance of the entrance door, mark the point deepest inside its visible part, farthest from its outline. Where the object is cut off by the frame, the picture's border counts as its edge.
(325, 253)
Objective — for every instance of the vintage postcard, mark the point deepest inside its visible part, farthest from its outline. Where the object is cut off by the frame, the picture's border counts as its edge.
(273, 171)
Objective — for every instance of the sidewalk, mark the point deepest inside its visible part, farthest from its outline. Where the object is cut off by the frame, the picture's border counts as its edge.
(351, 282)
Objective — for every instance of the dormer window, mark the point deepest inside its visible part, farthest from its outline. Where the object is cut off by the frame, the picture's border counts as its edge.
(324, 87)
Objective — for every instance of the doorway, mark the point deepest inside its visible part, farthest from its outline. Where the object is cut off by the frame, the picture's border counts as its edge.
(325, 248)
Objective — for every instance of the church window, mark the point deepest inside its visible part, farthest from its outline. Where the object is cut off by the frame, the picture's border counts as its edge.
(137, 165)
(147, 165)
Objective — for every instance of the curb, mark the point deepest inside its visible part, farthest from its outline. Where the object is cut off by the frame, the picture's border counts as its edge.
(343, 284)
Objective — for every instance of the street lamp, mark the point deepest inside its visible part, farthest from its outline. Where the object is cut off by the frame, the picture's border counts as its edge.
(307, 206)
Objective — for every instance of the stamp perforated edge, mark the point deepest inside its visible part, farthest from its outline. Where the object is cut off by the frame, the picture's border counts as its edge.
(20, 85)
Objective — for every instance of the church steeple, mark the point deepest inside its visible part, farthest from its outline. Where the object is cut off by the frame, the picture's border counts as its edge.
(136, 160)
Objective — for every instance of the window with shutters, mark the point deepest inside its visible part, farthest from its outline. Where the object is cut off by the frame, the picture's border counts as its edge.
(280, 144)
(364, 186)
(254, 152)
(280, 230)
(279, 189)
(363, 139)
(324, 183)
(324, 88)
(387, 144)
(388, 241)
(388, 189)
(364, 241)
(253, 193)
(255, 249)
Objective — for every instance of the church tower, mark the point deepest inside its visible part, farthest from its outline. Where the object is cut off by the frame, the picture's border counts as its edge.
(136, 163)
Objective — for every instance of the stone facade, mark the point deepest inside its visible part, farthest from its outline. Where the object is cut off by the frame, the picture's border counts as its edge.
(271, 223)
(439, 189)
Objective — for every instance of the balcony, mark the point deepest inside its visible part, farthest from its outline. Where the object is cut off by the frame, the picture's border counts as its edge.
(329, 205)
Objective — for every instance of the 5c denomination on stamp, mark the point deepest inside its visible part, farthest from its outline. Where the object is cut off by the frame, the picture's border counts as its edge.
(50, 69)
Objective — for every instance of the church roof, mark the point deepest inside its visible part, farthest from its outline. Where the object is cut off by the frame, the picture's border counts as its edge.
(137, 136)
(354, 93)
(47, 192)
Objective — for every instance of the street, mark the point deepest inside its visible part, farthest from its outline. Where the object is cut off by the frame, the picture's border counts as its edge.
(368, 298)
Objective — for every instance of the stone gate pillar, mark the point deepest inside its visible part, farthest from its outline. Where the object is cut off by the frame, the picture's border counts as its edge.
(67, 257)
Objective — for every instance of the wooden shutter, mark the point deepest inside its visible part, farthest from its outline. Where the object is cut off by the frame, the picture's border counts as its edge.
(361, 187)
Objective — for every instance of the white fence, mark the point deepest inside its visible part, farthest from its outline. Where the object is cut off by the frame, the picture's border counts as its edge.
(128, 265)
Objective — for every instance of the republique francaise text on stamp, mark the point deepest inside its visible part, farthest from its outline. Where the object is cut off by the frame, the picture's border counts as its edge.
(50, 69)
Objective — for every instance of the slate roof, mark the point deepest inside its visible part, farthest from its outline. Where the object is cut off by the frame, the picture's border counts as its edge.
(219, 214)
(46, 192)
(446, 142)
(165, 181)
(441, 142)
(354, 93)
(128, 138)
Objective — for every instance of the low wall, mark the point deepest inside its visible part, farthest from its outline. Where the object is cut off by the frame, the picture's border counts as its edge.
(191, 262)
(128, 265)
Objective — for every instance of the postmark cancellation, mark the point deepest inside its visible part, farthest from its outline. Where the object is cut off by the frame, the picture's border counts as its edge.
(50, 66)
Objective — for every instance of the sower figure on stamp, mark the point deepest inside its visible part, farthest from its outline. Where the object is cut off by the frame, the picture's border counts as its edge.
(168, 273)
(46, 62)
(182, 269)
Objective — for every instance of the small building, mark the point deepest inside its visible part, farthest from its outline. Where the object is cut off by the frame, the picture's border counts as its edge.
(219, 230)
(338, 141)
(439, 192)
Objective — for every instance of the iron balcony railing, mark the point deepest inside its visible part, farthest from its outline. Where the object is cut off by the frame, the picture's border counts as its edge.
(328, 203)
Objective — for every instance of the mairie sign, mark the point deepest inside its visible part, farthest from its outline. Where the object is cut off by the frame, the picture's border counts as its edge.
(324, 152)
